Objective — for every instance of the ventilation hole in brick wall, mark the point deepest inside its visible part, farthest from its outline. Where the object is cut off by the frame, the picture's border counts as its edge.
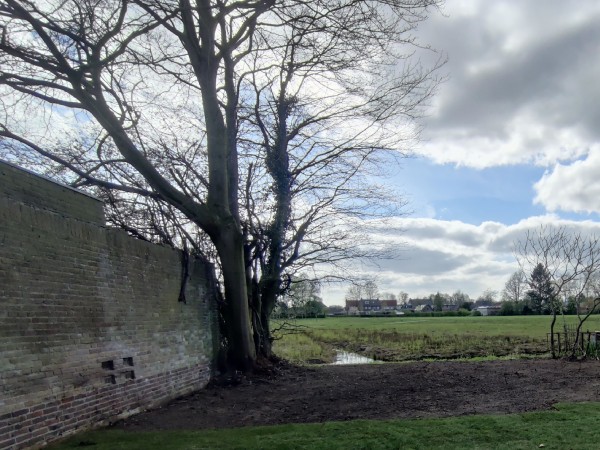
(108, 365)
(130, 375)
(128, 361)
(111, 379)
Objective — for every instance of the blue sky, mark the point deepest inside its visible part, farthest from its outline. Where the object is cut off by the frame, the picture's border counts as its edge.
(510, 141)
(447, 192)
(503, 194)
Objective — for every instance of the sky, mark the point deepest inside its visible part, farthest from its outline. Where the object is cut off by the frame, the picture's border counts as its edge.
(511, 141)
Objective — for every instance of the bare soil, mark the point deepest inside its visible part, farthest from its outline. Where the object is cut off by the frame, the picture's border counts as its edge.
(378, 391)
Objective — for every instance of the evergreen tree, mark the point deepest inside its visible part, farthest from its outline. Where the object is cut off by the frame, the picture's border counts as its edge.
(541, 290)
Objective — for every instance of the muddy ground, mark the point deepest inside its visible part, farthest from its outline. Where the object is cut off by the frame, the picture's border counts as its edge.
(378, 391)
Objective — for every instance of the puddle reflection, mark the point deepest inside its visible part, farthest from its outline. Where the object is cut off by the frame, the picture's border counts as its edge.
(352, 358)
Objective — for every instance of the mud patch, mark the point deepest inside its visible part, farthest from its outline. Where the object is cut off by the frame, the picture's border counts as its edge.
(379, 391)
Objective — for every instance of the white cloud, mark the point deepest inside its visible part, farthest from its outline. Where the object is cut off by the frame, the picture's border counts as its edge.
(521, 83)
(522, 140)
(572, 187)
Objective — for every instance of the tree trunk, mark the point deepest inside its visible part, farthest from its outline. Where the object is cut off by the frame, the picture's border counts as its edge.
(552, 344)
(262, 334)
(580, 325)
(277, 162)
(266, 342)
(241, 354)
(262, 325)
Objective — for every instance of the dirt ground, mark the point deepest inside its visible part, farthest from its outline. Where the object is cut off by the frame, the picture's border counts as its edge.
(378, 391)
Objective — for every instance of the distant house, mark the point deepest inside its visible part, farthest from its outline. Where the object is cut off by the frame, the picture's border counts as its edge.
(483, 302)
(414, 303)
(406, 307)
(351, 307)
(366, 306)
(492, 310)
(420, 301)
(424, 308)
(389, 305)
(370, 305)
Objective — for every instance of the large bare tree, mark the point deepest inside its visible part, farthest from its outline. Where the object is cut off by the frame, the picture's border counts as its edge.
(86, 56)
(514, 287)
(323, 115)
(160, 103)
(570, 261)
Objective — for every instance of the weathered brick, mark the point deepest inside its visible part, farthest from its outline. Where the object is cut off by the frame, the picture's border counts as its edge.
(7, 443)
(74, 294)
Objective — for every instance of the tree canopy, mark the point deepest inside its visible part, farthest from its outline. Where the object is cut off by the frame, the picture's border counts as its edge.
(247, 130)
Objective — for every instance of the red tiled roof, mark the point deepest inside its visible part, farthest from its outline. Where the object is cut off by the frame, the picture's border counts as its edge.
(389, 302)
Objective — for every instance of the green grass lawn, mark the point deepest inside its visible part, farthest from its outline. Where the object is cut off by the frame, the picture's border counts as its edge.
(568, 426)
(414, 338)
(535, 326)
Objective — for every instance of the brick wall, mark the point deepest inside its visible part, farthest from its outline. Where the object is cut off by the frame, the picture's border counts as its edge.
(37, 191)
(91, 329)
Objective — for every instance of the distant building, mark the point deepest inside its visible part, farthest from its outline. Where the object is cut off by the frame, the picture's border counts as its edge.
(351, 307)
(483, 302)
(389, 305)
(414, 303)
(370, 305)
(366, 306)
(492, 310)
(424, 308)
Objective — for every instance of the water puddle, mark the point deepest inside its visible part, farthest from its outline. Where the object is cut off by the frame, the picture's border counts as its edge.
(351, 358)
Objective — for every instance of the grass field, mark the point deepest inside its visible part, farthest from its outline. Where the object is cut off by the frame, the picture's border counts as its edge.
(569, 426)
(416, 338)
